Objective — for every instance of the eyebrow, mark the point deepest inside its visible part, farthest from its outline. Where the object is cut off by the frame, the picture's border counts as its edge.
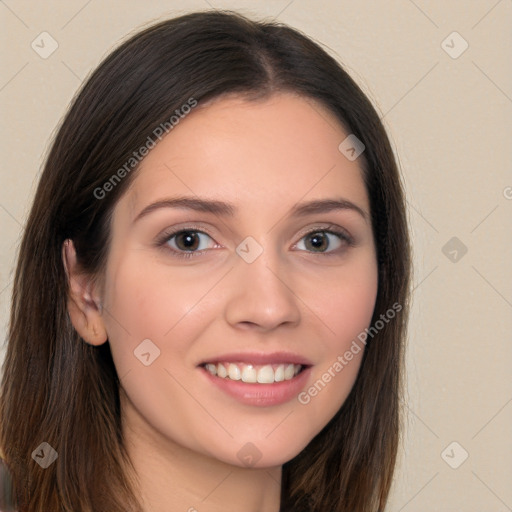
(229, 210)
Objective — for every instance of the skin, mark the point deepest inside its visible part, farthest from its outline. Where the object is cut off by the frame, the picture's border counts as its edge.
(183, 434)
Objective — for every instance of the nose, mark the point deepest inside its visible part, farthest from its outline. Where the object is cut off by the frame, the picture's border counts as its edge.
(260, 294)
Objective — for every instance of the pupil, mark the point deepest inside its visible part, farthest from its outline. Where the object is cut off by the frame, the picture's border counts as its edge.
(188, 237)
(317, 239)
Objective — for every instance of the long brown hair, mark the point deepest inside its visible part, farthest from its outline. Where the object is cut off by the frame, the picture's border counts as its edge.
(58, 389)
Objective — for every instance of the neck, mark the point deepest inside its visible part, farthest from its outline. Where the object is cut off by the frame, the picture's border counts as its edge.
(173, 478)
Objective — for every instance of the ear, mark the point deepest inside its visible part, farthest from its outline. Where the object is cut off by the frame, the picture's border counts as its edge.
(84, 303)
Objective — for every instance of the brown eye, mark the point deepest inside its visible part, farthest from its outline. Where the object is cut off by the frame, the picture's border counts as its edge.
(317, 242)
(324, 241)
(187, 240)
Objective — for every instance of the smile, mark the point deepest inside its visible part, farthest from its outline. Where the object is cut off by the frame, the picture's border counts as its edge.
(254, 373)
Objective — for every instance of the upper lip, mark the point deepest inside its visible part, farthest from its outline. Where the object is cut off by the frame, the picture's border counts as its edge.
(259, 358)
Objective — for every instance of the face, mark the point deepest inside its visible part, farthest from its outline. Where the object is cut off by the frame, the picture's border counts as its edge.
(233, 289)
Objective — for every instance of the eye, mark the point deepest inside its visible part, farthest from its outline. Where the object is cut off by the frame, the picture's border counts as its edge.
(324, 240)
(185, 242)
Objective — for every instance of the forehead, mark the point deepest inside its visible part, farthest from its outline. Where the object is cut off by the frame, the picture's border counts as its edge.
(269, 152)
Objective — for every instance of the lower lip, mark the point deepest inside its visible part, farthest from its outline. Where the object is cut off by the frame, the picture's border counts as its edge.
(263, 395)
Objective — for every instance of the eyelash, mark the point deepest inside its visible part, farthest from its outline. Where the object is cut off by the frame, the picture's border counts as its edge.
(162, 241)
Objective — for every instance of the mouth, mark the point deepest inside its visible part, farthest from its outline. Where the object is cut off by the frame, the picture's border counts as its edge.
(258, 379)
(252, 373)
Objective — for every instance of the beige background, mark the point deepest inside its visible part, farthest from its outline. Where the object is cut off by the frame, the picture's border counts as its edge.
(450, 122)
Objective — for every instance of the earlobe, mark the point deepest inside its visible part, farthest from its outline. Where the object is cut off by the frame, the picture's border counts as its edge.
(84, 306)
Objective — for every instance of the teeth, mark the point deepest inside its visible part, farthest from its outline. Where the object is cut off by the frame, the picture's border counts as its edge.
(211, 368)
(249, 373)
(221, 370)
(266, 374)
(289, 371)
(234, 372)
(279, 373)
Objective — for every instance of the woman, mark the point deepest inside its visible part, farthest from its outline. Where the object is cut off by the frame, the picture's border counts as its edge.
(211, 295)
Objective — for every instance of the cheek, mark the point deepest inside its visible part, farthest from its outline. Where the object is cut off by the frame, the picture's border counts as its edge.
(153, 318)
(149, 301)
(345, 309)
(344, 301)
(349, 309)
